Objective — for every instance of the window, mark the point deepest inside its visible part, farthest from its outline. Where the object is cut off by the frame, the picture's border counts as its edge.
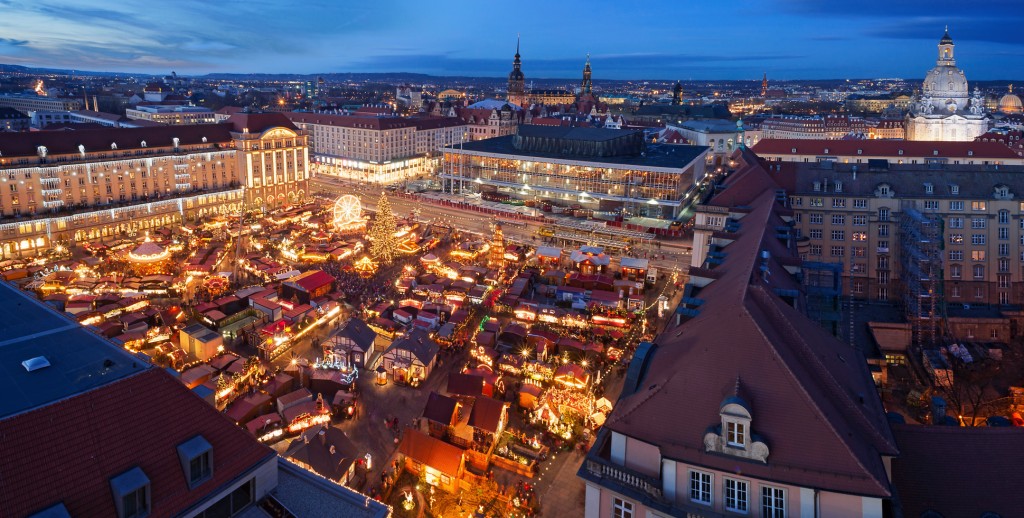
(1004, 281)
(1004, 217)
(977, 255)
(956, 239)
(815, 219)
(929, 188)
(979, 271)
(196, 456)
(977, 205)
(838, 235)
(817, 202)
(233, 503)
(978, 223)
(1004, 233)
(931, 205)
(858, 268)
(954, 189)
(978, 294)
(858, 251)
(860, 221)
(956, 255)
(131, 493)
(954, 291)
(863, 204)
(621, 508)
(883, 247)
(977, 239)
(838, 251)
(815, 250)
(838, 203)
(955, 271)
(736, 495)
(883, 214)
(883, 230)
(883, 262)
(815, 233)
(796, 201)
(773, 501)
(735, 434)
(883, 277)
(838, 219)
(956, 222)
(883, 293)
(857, 287)
(700, 487)
(860, 236)
(956, 205)
(1004, 265)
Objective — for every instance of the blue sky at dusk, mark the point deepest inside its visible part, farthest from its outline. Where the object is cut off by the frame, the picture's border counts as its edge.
(739, 39)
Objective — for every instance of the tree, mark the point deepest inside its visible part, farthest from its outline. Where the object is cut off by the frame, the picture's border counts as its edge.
(385, 244)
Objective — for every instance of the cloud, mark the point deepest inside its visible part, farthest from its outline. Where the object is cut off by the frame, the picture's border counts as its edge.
(13, 42)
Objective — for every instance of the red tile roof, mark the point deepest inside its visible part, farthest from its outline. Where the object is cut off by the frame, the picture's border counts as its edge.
(959, 471)
(70, 449)
(884, 148)
(310, 281)
(812, 397)
(259, 122)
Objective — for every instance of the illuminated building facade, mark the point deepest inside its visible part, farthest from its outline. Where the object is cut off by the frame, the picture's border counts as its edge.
(173, 114)
(89, 184)
(518, 93)
(829, 127)
(599, 169)
(31, 103)
(945, 110)
(374, 149)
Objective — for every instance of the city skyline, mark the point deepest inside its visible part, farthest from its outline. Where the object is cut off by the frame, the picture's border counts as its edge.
(836, 40)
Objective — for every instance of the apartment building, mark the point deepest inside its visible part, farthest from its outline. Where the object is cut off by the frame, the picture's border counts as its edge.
(58, 186)
(857, 218)
(734, 409)
(490, 118)
(378, 149)
(26, 103)
(828, 127)
(892, 151)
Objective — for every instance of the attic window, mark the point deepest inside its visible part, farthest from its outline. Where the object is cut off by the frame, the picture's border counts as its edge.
(792, 150)
(131, 491)
(817, 186)
(733, 435)
(826, 151)
(954, 189)
(838, 186)
(935, 152)
(900, 152)
(929, 188)
(196, 456)
(970, 153)
(860, 151)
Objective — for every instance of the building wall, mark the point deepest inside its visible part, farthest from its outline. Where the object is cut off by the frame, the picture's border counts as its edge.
(265, 478)
(275, 165)
(29, 103)
(953, 128)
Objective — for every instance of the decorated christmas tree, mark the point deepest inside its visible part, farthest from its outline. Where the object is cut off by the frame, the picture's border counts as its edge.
(382, 233)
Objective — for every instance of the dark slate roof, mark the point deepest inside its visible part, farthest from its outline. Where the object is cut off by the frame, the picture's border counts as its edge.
(99, 140)
(465, 384)
(486, 414)
(418, 342)
(313, 448)
(973, 181)
(666, 156)
(359, 332)
(440, 409)
(79, 359)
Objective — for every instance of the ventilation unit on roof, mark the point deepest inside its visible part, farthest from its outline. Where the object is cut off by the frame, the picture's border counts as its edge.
(34, 364)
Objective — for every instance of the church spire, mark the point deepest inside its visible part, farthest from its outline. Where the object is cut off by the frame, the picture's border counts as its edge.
(587, 83)
(946, 50)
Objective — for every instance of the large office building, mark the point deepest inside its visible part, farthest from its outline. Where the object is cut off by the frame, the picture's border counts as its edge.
(26, 103)
(172, 114)
(91, 429)
(58, 186)
(946, 110)
(828, 127)
(601, 169)
(378, 149)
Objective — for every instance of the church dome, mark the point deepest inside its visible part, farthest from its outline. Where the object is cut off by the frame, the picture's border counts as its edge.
(1010, 103)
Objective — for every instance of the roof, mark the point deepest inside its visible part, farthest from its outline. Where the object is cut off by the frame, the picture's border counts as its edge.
(311, 280)
(305, 494)
(359, 332)
(879, 147)
(811, 396)
(325, 449)
(259, 122)
(79, 360)
(435, 453)
(373, 122)
(940, 466)
(419, 343)
(440, 409)
(656, 155)
(88, 440)
(26, 143)
(486, 414)
(465, 384)
(972, 181)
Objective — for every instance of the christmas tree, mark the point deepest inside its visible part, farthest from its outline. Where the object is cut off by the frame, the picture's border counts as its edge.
(382, 233)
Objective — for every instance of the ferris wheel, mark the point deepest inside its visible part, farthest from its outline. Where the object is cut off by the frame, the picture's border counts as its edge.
(348, 213)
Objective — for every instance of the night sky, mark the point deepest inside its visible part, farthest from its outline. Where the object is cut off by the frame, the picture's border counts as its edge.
(628, 39)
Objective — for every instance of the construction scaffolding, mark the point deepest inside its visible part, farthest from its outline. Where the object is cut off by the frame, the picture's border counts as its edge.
(823, 286)
(921, 275)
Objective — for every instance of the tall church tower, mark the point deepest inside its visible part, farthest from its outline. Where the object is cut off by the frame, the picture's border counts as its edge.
(517, 81)
(588, 85)
(677, 94)
(946, 51)
(764, 85)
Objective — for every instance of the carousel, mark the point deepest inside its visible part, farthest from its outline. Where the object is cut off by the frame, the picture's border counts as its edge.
(347, 215)
(149, 258)
(366, 267)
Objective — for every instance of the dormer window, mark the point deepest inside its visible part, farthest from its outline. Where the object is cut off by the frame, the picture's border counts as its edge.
(131, 494)
(733, 435)
(817, 186)
(929, 188)
(954, 189)
(196, 456)
(839, 186)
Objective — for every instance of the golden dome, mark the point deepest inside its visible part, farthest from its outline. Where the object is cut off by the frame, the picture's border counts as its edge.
(1010, 103)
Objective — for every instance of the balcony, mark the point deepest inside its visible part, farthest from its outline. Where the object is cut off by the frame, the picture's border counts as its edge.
(646, 484)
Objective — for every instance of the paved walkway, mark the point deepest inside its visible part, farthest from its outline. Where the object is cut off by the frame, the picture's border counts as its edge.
(566, 497)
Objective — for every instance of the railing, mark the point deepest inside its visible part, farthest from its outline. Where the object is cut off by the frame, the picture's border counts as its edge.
(644, 483)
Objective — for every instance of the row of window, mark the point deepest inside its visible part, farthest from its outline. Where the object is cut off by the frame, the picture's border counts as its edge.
(861, 203)
(736, 495)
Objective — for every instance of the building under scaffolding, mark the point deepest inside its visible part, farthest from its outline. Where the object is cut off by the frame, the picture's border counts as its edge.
(823, 285)
(921, 250)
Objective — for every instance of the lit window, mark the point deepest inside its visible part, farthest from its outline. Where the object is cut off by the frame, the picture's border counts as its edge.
(735, 434)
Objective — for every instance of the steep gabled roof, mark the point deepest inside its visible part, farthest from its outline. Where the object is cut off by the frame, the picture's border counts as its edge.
(812, 398)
